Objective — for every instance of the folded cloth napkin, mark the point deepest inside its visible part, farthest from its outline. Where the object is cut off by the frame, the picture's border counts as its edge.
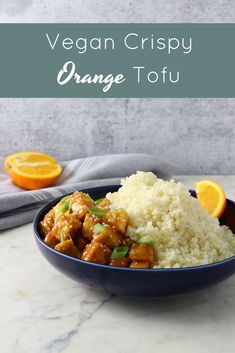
(18, 206)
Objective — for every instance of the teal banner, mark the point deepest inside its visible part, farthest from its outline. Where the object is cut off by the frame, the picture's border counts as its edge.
(117, 60)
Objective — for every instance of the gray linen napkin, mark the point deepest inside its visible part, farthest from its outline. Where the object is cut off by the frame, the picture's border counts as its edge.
(18, 206)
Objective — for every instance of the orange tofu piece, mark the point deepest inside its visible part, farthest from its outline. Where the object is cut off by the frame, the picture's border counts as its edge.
(67, 247)
(104, 204)
(121, 262)
(47, 223)
(89, 222)
(80, 242)
(108, 236)
(141, 252)
(96, 252)
(51, 240)
(118, 219)
(140, 264)
(80, 204)
(66, 227)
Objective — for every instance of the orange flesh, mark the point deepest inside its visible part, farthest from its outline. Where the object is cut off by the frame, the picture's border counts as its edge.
(212, 197)
(32, 170)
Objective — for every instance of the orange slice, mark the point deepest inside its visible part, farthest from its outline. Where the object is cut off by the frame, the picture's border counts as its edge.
(32, 170)
(211, 196)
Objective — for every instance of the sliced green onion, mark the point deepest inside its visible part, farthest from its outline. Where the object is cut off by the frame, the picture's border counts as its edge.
(99, 201)
(98, 228)
(96, 212)
(57, 216)
(64, 208)
(61, 236)
(119, 252)
(63, 199)
(70, 205)
(146, 240)
(89, 197)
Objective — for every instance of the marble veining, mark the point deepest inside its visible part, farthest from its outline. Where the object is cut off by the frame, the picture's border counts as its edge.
(42, 311)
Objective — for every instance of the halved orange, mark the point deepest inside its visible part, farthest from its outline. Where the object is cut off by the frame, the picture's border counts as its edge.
(211, 196)
(32, 170)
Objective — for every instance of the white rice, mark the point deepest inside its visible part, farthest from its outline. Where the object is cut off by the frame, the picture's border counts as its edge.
(185, 234)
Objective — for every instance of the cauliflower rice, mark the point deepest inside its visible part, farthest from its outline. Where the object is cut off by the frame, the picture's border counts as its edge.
(185, 234)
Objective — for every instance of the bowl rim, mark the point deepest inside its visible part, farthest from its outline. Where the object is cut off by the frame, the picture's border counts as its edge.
(38, 238)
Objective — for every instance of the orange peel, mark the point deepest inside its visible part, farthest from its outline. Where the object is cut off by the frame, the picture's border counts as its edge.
(32, 170)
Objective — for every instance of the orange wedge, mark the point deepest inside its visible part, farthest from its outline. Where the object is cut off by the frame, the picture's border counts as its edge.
(211, 196)
(32, 170)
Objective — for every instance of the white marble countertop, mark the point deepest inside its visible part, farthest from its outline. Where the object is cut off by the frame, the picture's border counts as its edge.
(43, 311)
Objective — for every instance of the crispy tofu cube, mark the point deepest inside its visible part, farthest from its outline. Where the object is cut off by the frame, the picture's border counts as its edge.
(96, 252)
(80, 242)
(121, 262)
(140, 264)
(104, 203)
(67, 247)
(108, 236)
(141, 252)
(47, 223)
(51, 240)
(66, 227)
(89, 222)
(80, 204)
(118, 219)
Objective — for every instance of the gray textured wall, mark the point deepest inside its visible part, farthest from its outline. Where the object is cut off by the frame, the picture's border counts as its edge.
(197, 135)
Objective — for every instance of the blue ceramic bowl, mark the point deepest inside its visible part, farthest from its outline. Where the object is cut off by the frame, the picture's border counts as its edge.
(138, 282)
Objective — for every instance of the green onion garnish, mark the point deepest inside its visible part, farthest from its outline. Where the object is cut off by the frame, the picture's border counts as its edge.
(119, 252)
(61, 236)
(62, 200)
(65, 197)
(98, 228)
(99, 201)
(96, 212)
(88, 196)
(57, 216)
(146, 240)
(64, 208)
